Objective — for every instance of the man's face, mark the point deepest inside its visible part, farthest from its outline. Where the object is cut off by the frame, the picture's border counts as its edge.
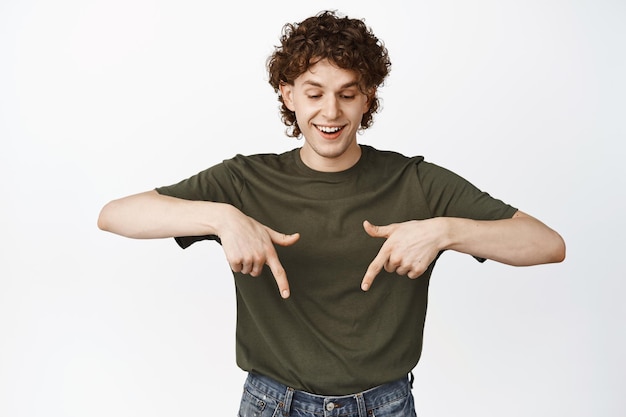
(329, 107)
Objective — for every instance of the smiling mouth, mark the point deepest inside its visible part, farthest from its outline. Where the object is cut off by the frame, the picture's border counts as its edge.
(329, 130)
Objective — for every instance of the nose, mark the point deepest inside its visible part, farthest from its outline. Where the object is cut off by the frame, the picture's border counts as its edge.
(331, 108)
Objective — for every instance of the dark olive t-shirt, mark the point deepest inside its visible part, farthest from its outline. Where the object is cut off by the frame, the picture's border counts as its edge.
(330, 337)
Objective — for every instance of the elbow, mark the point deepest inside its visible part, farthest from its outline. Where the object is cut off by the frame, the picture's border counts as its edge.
(102, 225)
(558, 250)
(104, 222)
(549, 249)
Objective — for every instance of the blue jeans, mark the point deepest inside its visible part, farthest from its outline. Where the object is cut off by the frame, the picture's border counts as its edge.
(264, 397)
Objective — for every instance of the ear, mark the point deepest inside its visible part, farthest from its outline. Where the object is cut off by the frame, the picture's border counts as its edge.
(370, 97)
(286, 91)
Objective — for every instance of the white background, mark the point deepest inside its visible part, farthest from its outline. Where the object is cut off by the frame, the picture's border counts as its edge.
(101, 99)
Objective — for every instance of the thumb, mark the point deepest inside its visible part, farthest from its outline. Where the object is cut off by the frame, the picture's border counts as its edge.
(281, 238)
(377, 231)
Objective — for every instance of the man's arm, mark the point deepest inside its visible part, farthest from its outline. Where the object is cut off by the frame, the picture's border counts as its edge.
(248, 244)
(411, 246)
(150, 215)
(520, 241)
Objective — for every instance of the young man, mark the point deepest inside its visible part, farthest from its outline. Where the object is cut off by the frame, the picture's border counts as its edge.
(332, 224)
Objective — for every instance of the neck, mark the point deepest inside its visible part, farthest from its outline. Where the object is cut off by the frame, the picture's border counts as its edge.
(330, 163)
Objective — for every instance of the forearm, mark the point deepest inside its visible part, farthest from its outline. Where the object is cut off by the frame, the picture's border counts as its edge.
(150, 215)
(521, 240)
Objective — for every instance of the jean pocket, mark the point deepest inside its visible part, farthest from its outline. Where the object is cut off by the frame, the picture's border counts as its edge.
(255, 406)
(403, 407)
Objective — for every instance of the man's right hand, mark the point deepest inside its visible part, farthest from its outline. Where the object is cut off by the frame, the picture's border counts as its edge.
(249, 246)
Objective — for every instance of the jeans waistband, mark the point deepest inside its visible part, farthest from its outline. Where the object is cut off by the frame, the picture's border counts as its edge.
(358, 404)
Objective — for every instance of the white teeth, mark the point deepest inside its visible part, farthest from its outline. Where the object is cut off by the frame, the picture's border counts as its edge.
(327, 129)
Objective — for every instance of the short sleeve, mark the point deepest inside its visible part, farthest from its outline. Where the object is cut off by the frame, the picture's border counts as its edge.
(219, 183)
(450, 195)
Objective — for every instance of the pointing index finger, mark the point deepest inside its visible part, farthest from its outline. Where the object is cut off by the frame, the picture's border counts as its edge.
(279, 275)
(372, 271)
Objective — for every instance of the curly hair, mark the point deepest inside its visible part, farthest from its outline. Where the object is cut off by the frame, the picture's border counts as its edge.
(347, 43)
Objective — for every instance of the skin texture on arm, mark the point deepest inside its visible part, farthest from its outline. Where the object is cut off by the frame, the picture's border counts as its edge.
(411, 246)
(247, 244)
(150, 215)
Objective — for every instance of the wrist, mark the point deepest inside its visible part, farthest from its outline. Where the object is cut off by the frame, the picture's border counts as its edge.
(448, 227)
(452, 231)
(461, 234)
(218, 216)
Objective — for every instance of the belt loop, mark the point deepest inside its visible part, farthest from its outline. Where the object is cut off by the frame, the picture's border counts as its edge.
(360, 404)
(287, 402)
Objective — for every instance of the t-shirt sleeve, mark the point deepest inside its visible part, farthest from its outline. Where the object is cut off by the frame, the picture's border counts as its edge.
(220, 183)
(450, 195)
